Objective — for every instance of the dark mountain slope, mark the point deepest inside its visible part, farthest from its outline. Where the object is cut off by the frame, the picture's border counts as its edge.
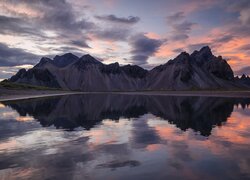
(200, 70)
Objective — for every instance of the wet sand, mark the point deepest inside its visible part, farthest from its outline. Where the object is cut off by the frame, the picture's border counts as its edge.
(10, 94)
(245, 94)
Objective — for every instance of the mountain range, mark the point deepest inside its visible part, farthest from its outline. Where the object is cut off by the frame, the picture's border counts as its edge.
(200, 70)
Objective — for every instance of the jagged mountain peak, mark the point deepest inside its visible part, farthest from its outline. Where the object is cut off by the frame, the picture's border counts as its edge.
(206, 50)
(244, 77)
(66, 55)
(115, 64)
(134, 71)
(203, 55)
(87, 58)
(113, 68)
(182, 58)
(64, 60)
(200, 70)
(43, 61)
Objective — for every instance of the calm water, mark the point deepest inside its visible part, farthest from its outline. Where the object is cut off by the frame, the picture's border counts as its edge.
(125, 137)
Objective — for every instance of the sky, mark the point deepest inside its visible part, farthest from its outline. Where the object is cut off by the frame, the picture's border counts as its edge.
(141, 32)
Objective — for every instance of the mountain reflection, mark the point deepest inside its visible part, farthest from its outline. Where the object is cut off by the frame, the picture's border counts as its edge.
(69, 112)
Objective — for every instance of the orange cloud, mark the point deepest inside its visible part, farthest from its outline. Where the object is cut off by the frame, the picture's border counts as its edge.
(20, 9)
(153, 147)
(230, 49)
(153, 35)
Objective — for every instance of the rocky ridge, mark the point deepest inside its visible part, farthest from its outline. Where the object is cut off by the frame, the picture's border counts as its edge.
(200, 70)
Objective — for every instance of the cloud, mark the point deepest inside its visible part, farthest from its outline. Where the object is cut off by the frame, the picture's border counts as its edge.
(240, 25)
(180, 31)
(175, 17)
(16, 25)
(243, 8)
(114, 34)
(181, 28)
(80, 43)
(178, 50)
(144, 47)
(123, 20)
(62, 17)
(223, 39)
(245, 16)
(57, 16)
(245, 47)
(144, 135)
(15, 56)
(244, 70)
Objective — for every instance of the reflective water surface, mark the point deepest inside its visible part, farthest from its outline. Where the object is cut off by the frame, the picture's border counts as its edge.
(125, 137)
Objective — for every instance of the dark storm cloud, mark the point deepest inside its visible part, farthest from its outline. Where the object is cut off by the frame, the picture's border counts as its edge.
(144, 47)
(115, 19)
(15, 56)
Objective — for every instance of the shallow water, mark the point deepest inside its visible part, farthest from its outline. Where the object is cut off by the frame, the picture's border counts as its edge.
(125, 137)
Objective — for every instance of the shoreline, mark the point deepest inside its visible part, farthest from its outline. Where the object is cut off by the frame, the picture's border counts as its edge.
(42, 95)
(11, 95)
(233, 94)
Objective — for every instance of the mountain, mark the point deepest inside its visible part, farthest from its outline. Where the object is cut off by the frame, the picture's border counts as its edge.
(59, 61)
(199, 70)
(39, 77)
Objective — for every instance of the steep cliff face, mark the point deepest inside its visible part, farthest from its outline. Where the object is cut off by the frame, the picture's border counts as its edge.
(200, 70)
(38, 77)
